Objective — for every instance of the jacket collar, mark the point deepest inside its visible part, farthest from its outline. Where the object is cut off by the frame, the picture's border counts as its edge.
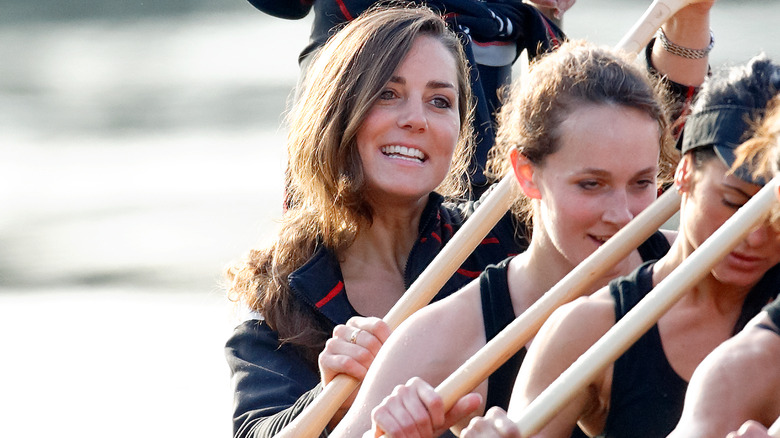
(320, 283)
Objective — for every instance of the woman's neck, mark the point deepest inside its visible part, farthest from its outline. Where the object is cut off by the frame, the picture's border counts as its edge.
(373, 266)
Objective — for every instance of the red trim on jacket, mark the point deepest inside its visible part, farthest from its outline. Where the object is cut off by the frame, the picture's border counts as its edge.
(470, 274)
(333, 292)
(344, 10)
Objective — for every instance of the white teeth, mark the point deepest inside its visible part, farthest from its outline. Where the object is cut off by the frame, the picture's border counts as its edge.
(404, 152)
(601, 239)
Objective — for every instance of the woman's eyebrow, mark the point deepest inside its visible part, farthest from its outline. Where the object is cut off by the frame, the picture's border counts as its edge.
(431, 84)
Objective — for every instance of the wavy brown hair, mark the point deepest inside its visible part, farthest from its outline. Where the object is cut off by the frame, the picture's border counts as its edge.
(326, 178)
(575, 74)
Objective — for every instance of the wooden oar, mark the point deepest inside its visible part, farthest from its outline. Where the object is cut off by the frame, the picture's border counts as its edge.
(313, 420)
(636, 322)
(655, 15)
(774, 430)
(576, 283)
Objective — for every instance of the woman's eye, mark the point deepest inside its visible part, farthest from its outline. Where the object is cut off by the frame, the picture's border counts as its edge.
(729, 204)
(589, 184)
(387, 95)
(646, 183)
(440, 102)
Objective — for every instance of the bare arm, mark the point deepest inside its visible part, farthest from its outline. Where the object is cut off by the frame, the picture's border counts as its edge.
(690, 28)
(568, 333)
(738, 381)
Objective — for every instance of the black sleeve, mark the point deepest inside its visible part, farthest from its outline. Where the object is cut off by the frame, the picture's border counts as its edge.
(271, 383)
(289, 9)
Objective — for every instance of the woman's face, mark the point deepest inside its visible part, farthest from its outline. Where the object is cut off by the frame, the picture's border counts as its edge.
(408, 137)
(603, 174)
(712, 199)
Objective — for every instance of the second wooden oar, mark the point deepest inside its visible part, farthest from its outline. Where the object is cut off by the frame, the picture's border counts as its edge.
(655, 15)
(645, 314)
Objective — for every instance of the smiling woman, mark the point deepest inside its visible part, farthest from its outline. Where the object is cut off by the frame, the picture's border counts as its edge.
(379, 135)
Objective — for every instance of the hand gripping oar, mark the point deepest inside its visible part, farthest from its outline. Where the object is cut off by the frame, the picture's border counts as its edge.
(774, 429)
(576, 283)
(645, 314)
(655, 15)
(315, 417)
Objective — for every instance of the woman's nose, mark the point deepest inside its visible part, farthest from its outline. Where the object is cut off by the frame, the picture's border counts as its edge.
(617, 210)
(412, 116)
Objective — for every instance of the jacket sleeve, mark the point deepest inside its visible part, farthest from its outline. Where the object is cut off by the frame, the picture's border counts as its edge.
(271, 383)
(289, 9)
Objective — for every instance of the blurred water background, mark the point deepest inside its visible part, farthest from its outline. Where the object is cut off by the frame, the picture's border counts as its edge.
(142, 150)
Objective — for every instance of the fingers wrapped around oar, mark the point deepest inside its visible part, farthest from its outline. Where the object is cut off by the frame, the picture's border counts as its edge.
(415, 410)
(751, 429)
(352, 348)
(495, 424)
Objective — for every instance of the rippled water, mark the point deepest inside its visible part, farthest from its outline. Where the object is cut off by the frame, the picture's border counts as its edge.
(141, 151)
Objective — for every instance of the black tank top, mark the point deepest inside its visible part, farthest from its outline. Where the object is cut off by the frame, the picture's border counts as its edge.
(497, 313)
(647, 394)
(773, 310)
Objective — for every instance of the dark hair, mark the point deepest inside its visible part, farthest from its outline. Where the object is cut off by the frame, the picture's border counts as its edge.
(729, 109)
(751, 85)
(326, 181)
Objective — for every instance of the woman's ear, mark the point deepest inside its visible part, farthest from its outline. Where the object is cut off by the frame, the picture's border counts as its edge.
(524, 172)
(683, 176)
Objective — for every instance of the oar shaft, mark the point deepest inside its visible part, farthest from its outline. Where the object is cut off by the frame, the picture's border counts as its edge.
(645, 314)
(655, 15)
(315, 417)
(578, 282)
(774, 430)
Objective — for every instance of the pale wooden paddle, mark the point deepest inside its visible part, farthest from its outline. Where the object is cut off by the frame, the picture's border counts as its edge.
(774, 429)
(655, 15)
(636, 322)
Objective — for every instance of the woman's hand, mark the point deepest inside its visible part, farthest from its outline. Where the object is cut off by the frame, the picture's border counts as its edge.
(751, 429)
(494, 424)
(416, 410)
(558, 7)
(352, 348)
(351, 351)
